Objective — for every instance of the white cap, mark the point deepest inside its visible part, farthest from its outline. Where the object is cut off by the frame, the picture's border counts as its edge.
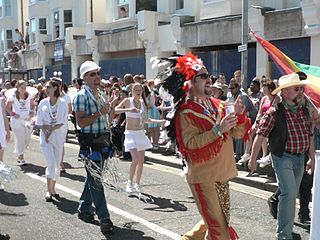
(88, 66)
(105, 81)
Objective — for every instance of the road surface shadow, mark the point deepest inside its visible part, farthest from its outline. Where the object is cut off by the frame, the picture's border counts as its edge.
(127, 232)
(31, 168)
(162, 204)
(66, 205)
(13, 199)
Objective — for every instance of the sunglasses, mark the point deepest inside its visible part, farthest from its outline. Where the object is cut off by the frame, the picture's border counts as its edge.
(93, 74)
(203, 76)
(48, 86)
(299, 88)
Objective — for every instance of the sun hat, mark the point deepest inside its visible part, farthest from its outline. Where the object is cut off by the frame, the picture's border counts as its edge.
(219, 85)
(88, 66)
(289, 80)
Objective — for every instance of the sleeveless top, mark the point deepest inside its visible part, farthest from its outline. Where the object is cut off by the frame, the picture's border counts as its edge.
(135, 114)
(266, 104)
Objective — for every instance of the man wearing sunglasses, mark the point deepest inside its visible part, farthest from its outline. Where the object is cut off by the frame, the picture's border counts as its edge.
(90, 110)
(204, 131)
(290, 134)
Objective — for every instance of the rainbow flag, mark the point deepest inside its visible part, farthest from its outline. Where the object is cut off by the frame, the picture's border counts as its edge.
(287, 66)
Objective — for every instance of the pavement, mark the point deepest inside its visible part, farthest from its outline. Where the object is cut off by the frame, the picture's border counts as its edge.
(260, 179)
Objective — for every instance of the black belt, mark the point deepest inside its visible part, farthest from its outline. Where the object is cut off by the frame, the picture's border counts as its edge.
(295, 154)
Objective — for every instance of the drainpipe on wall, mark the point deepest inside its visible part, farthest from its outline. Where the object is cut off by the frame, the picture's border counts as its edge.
(21, 4)
(91, 10)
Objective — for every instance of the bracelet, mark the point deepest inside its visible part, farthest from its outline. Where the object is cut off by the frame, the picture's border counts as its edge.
(99, 112)
(217, 130)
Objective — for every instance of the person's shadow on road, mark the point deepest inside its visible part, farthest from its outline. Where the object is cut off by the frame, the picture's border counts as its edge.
(162, 204)
(66, 205)
(13, 199)
(127, 232)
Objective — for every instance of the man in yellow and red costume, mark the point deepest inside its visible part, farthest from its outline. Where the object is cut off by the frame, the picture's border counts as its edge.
(204, 130)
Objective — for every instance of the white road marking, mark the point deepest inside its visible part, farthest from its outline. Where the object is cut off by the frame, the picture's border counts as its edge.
(116, 210)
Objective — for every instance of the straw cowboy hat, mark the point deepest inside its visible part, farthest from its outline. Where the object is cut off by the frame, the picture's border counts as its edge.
(289, 80)
(219, 85)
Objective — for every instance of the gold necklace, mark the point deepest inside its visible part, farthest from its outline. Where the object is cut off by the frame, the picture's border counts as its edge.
(137, 104)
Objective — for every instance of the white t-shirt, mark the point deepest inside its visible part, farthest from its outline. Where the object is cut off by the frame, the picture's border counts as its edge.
(20, 106)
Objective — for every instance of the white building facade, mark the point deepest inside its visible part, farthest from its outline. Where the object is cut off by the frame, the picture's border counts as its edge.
(63, 34)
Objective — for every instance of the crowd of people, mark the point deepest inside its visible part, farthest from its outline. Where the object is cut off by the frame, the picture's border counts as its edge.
(211, 124)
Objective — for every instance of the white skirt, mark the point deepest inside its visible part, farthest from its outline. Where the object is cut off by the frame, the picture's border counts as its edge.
(136, 139)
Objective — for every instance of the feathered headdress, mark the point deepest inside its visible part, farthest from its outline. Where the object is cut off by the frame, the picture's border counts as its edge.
(175, 74)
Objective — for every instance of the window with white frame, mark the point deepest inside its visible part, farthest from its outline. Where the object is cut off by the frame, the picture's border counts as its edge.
(33, 30)
(67, 20)
(9, 38)
(1, 8)
(2, 40)
(179, 4)
(35, 1)
(123, 8)
(43, 26)
(56, 19)
(6, 8)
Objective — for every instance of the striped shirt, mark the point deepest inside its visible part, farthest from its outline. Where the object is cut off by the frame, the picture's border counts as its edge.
(299, 129)
(85, 101)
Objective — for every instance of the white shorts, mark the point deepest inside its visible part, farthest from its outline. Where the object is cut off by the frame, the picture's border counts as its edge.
(136, 139)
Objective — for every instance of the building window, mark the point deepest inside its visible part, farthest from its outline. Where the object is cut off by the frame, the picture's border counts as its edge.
(43, 26)
(34, 1)
(150, 5)
(7, 8)
(179, 4)
(9, 37)
(67, 19)
(123, 8)
(33, 30)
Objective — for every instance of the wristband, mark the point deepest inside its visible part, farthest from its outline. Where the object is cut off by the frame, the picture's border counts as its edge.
(99, 112)
(217, 130)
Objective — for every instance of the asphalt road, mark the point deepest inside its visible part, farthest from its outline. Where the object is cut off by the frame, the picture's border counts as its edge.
(169, 209)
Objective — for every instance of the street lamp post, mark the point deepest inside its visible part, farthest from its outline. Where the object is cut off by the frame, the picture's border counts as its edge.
(244, 54)
(57, 74)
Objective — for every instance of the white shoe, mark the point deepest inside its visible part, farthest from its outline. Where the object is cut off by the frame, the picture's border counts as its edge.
(245, 158)
(264, 161)
(137, 188)
(1, 186)
(130, 188)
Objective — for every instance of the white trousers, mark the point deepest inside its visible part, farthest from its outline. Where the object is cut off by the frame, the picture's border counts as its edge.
(22, 135)
(53, 154)
(315, 212)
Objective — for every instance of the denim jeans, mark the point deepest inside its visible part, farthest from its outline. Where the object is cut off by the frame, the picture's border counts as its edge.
(289, 171)
(93, 192)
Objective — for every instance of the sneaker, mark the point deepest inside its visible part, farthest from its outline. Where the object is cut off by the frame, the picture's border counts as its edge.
(264, 161)
(130, 188)
(137, 188)
(86, 217)
(106, 226)
(245, 158)
(1, 186)
(48, 197)
(21, 162)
